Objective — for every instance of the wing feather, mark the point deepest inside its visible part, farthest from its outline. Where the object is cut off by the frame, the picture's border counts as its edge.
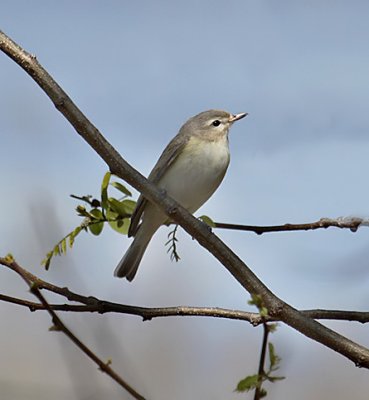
(167, 158)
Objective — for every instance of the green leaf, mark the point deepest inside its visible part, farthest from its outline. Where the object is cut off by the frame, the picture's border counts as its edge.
(97, 224)
(274, 361)
(73, 235)
(111, 215)
(130, 205)
(256, 300)
(96, 228)
(104, 190)
(56, 250)
(121, 188)
(63, 246)
(123, 208)
(263, 312)
(118, 207)
(120, 225)
(46, 261)
(82, 212)
(208, 221)
(273, 358)
(249, 383)
(97, 214)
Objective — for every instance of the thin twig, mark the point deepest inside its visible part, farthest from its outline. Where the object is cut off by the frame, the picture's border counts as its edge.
(352, 223)
(261, 370)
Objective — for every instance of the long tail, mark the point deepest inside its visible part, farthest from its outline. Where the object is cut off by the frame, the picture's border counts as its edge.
(130, 262)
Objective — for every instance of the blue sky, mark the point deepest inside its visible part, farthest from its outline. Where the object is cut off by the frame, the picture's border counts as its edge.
(138, 70)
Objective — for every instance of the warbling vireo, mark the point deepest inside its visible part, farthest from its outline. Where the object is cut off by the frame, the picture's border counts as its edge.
(190, 169)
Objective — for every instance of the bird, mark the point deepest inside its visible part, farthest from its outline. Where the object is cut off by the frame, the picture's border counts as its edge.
(189, 170)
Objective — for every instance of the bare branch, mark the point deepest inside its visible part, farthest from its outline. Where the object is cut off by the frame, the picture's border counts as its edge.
(92, 304)
(352, 223)
(59, 325)
(242, 273)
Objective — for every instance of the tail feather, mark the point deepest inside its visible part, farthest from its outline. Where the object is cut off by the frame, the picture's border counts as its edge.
(130, 262)
(128, 265)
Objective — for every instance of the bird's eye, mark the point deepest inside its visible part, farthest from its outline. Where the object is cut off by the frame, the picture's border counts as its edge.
(216, 122)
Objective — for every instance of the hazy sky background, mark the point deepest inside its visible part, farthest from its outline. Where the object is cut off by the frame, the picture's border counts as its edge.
(138, 70)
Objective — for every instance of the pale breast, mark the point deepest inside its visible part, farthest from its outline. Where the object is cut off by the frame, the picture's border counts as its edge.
(197, 172)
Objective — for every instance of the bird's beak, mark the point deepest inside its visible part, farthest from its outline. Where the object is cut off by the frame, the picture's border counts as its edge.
(236, 117)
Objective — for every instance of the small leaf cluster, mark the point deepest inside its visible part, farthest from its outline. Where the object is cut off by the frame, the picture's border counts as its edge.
(255, 381)
(95, 213)
(257, 301)
(61, 247)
